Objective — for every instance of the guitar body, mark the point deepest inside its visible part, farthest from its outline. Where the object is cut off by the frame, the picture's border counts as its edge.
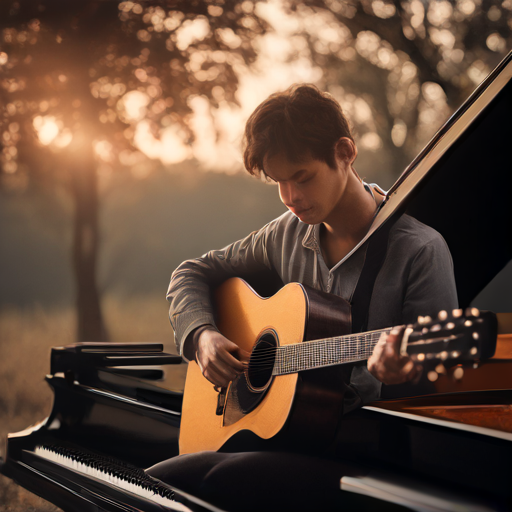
(298, 406)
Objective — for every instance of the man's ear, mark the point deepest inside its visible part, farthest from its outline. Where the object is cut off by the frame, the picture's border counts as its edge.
(346, 150)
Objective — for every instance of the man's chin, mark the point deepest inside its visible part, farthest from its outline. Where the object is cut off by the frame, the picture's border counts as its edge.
(306, 216)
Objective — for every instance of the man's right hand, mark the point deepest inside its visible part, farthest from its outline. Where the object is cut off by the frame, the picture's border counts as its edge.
(219, 359)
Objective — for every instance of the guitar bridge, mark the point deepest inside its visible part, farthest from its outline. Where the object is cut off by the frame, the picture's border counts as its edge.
(221, 402)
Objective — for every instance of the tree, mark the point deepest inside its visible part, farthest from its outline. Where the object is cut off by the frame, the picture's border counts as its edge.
(76, 79)
(411, 62)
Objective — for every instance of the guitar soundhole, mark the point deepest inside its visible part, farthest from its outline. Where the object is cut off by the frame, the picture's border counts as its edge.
(250, 388)
(261, 362)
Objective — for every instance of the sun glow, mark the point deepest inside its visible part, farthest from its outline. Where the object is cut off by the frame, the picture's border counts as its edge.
(134, 105)
(51, 131)
(170, 148)
(47, 129)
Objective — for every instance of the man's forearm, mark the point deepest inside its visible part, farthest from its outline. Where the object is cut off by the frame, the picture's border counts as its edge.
(189, 348)
(192, 283)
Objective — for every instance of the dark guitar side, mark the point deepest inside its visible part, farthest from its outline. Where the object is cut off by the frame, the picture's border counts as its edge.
(318, 402)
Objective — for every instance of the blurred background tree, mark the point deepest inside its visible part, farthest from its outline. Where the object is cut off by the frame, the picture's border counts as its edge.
(77, 79)
(407, 64)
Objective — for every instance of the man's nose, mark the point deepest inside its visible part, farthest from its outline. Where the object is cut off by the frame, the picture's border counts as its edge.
(289, 194)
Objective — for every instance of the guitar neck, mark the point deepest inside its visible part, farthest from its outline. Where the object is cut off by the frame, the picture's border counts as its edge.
(309, 355)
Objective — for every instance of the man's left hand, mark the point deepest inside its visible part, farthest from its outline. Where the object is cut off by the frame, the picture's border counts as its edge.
(387, 364)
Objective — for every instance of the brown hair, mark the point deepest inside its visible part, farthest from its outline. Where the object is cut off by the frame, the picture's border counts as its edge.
(301, 121)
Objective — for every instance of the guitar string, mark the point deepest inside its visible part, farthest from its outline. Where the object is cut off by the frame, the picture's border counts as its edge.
(360, 343)
(306, 354)
(350, 339)
(313, 350)
(304, 365)
(362, 353)
(296, 364)
(254, 360)
(340, 341)
(306, 347)
(303, 359)
(343, 347)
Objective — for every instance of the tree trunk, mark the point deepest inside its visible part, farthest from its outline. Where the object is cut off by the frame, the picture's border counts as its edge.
(84, 188)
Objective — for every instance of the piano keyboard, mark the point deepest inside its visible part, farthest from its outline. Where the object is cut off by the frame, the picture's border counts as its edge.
(113, 472)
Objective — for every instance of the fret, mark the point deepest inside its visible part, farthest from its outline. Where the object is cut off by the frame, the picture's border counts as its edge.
(325, 352)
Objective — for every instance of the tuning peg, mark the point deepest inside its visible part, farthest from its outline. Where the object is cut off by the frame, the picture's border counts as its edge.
(436, 327)
(441, 369)
(472, 312)
(475, 336)
(442, 315)
(450, 325)
(457, 313)
(458, 373)
(473, 351)
(432, 376)
(468, 323)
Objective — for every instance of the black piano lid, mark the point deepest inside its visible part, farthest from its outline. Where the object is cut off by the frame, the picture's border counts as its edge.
(461, 184)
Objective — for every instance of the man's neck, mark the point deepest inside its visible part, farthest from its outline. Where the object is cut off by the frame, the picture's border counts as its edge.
(349, 221)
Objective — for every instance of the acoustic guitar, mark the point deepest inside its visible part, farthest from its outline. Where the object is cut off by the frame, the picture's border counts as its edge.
(300, 344)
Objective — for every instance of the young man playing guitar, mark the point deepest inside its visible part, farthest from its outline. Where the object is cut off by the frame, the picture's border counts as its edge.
(301, 140)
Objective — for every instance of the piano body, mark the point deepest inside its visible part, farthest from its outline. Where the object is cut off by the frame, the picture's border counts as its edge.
(109, 416)
(447, 449)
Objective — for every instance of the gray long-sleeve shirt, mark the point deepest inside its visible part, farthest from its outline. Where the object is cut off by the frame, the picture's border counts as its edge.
(415, 279)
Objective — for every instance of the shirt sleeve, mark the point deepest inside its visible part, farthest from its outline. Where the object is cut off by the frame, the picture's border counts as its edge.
(192, 283)
(431, 283)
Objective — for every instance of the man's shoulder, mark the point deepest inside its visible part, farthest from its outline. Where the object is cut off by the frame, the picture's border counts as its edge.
(415, 234)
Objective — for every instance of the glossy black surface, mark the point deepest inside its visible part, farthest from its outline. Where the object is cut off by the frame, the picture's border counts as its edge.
(107, 413)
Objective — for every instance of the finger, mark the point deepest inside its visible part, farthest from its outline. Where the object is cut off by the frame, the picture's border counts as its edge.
(216, 370)
(215, 377)
(238, 352)
(394, 339)
(243, 355)
(408, 368)
(229, 345)
(231, 361)
(224, 370)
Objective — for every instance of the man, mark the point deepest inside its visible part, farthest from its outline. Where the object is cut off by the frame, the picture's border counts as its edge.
(301, 140)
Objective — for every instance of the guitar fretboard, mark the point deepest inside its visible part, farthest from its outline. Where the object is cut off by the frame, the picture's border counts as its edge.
(325, 352)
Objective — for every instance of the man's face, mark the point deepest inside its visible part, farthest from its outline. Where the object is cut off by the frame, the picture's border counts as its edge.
(310, 189)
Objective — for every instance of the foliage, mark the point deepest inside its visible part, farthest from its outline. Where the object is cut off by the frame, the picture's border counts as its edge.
(77, 77)
(411, 62)
(80, 75)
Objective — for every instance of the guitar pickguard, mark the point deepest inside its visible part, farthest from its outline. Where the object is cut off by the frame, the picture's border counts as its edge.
(247, 391)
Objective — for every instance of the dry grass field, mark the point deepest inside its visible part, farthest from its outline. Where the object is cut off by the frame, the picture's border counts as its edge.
(25, 341)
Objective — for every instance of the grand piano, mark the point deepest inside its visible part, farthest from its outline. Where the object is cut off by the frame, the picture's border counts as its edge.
(447, 446)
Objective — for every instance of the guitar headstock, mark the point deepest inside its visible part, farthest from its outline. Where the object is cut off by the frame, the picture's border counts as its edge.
(452, 337)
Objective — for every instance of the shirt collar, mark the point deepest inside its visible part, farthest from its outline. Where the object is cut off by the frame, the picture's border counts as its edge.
(311, 239)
